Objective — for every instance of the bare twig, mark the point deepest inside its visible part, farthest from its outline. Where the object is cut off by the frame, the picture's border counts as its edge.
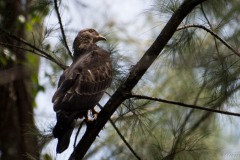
(122, 137)
(124, 140)
(135, 75)
(22, 48)
(33, 49)
(61, 27)
(212, 33)
(184, 105)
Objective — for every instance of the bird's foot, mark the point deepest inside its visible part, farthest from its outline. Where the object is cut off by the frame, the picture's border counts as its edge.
(87, 119)
(94, 113)
(92, 117)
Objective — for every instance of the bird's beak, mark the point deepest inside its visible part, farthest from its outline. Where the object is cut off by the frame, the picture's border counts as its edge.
(100, 38)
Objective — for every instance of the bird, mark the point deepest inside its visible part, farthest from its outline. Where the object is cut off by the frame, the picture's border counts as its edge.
(81, 86)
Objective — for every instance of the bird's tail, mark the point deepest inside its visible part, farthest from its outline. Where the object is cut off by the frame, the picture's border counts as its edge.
(63, 131)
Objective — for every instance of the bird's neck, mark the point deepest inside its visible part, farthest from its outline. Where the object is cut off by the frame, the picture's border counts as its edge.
(83, 48)
(80, 43)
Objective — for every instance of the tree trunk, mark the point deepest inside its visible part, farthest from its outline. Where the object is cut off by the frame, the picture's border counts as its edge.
(17, 138)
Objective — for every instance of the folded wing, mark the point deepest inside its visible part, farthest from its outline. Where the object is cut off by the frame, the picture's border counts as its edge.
(82, 84)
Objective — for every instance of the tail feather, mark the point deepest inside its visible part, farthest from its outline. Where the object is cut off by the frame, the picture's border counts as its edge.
(63, 131)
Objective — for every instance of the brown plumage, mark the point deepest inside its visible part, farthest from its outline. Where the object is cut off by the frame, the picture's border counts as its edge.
(81, 85)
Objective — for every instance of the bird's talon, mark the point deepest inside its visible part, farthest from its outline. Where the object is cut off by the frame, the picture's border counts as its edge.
(94, 113)
(95, 116)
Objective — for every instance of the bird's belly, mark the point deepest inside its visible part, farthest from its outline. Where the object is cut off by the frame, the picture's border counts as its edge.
(82, 102)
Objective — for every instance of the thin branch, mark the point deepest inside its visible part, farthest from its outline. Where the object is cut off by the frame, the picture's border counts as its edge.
(129, 109)
(61, 27)
(184, 105)
(212, 33)
(205, 16)
(79, 128)
(22, 48)
(204, 117)
(33, 48)
(124, 140)
(134, 76)
(122, 137)
(215, 40)
(24, 42)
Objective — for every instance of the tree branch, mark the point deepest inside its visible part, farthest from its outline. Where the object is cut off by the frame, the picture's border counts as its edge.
(134, 76)
(184, 105)
(212, 33)
(124, 140)
(33, 49)
(61, 27)
(22, 48)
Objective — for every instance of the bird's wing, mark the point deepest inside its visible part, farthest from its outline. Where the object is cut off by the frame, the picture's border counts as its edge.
(82, 85)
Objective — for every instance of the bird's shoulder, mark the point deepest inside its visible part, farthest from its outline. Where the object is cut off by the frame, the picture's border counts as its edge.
(91, 58)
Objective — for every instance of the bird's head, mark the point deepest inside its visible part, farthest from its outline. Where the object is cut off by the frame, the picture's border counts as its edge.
(89, 36)
(85, 38)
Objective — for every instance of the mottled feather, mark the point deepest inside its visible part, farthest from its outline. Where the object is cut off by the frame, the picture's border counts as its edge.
(86, 78)
(82, 84)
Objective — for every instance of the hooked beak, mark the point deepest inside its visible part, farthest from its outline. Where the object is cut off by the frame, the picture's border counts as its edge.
(100, 38)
